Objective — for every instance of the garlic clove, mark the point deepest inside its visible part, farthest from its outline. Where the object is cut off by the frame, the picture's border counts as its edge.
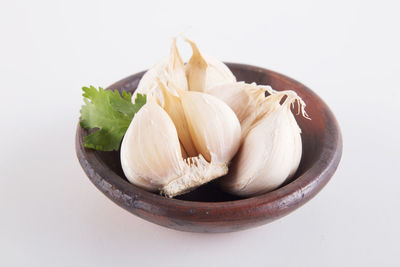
(246, 100)
(150, 149)
(173, 106)
(204, 72)
(170, 70)
(196, 70)
(214, 127)
(237, 98)
(271, 151)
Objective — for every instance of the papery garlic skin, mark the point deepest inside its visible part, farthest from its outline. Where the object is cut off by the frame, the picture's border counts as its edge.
(204, 72)
(168, 71)
(173, 106)
(214, 127)
(270, 153)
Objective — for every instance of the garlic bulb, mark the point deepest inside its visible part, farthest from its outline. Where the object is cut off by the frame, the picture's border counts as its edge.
(169, 71)
(204, 72)
(271, 151)
(246, 100)
(151, 155)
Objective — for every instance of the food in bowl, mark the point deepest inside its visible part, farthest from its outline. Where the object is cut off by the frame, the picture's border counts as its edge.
(189, 124)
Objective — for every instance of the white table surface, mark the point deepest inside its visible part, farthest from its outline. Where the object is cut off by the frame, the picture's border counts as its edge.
(51, 214)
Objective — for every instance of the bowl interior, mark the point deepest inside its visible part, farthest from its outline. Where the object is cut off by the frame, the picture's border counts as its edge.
(311, 136)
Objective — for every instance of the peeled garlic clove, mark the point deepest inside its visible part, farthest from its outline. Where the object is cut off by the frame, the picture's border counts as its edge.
(204, 72)
(150, 150)
(271, 151)
(173, 106)
(214, 127)
(170, 70)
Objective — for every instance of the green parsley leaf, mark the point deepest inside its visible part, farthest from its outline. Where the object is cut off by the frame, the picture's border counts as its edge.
(109, 113)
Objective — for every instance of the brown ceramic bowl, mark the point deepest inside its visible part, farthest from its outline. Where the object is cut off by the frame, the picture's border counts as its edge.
(207, 209)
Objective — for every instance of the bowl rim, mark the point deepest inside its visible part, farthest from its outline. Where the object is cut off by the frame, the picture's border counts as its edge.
(304, 187)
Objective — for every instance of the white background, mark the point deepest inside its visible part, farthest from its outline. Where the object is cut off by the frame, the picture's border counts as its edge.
(50, 213)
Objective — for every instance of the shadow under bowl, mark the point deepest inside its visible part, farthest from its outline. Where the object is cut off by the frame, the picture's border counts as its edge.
(207, 209)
